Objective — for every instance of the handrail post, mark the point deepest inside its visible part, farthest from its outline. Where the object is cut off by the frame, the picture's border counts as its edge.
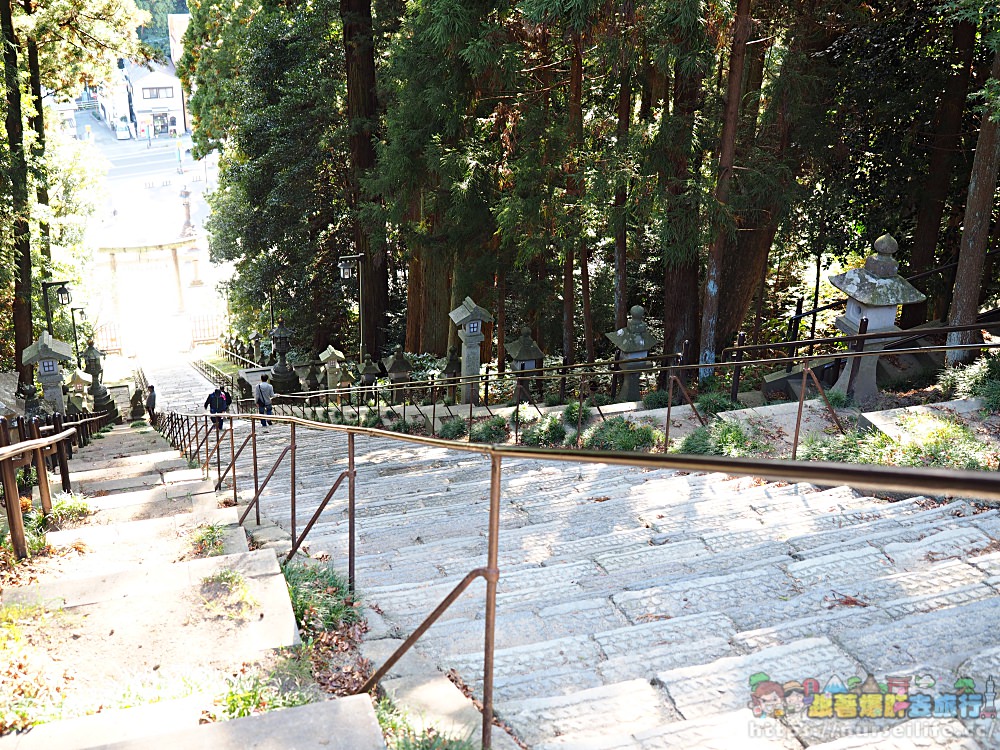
(232, 459)
(793, 331)
(292, 479)
(12, 499)
(802, 402)
(256, 476)
(57, 425)
(492, 576)
(44, 491)
(735, 390)
(351, 484)
(670, 406)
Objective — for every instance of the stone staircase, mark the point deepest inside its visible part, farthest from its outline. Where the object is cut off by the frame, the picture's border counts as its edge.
(634, 605)
(129, 614)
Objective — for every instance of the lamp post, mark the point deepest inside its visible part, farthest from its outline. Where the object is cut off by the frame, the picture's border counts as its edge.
(76, 340)
(347, 265)
(62, 294)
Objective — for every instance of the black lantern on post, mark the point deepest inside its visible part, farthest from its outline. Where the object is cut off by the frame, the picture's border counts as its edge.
(76, 340)
(62, 295)
(347, 265)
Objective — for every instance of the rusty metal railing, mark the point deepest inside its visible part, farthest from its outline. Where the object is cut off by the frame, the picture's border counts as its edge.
(183, 431)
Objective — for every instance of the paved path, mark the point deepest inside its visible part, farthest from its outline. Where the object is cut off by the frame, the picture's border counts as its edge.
(636, 607)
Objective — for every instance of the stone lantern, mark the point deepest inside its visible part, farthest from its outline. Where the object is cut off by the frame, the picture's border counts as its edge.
(333, 360)
(369, 371)
(92, 366)
(282, 377)
(525, 355)
(255, 340)
(469, 317)
(873, 292)
(634, 342)
(47, 353)
(398, 370)
(78, 382)
(452, 370)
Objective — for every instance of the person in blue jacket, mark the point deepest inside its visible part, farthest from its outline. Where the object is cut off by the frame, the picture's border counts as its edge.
(217, 403)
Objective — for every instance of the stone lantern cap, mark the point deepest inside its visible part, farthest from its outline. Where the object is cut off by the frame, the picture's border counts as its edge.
(331, 356)
(468, 311)
(635, 336)
(524, 349)
(46, 347)
(878, 284)
(370, 370)
(397, 364)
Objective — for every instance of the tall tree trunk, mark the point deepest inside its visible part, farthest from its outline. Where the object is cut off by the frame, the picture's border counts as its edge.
(975, 231)
(438, 272)
(37, 123)
(575, 190)
(588, 318)
(727, 152)
(19, 193)
(681, 266)
(946, 140)
(414, 294)
(501, 285)
(359, 56)
(621, 188)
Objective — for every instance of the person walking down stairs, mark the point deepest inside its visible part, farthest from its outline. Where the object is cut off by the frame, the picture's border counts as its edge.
(217, 403)
(151, 406)
(263, 392)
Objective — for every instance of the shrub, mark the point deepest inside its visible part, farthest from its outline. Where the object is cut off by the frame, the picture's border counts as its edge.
(838, 399)
(656, 400)
(402, 425)
(576, 411)
(935, 442)
(715, 401)
(552, 399)
(619, 434)
(723, 438)
(550, 432)
(525, 414)
(320, 597)
(492, 430)
(452, 429)
(598, 399)
(981, 379)
(372, 419)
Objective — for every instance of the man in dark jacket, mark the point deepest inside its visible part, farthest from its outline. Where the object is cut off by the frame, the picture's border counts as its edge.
(217, 402)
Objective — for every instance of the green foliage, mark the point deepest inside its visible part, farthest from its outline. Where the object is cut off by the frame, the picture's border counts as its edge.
(400, 735)
(599, 399)
(577, 411)
(137, 423)
(490, 430)
(251, 693)
(550, 432)
(933, 442)
(619, 434)
(552, 399)
(981, 379)
(524, 415)
(714, 402)
(208, 540)
(656, 400)
(320, 597)
(372, 419)
(452, 429)
(722, 437)
(839, 399)
(404, 426)
(68, 507)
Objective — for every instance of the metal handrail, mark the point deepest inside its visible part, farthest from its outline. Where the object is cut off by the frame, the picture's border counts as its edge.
(237, 359)
(984, 485)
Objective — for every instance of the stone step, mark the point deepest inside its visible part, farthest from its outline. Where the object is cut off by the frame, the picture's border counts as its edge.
(102, 549)
(342, 724)
(172, 621)
(702, 690)
(588, 714)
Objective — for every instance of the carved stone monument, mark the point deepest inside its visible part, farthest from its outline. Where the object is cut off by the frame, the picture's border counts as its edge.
(525, 355)
(92, 366)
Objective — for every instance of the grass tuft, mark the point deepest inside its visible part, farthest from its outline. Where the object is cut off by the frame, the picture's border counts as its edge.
(320, 598)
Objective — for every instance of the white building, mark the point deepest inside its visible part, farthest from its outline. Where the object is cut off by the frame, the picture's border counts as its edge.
(157, 100)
